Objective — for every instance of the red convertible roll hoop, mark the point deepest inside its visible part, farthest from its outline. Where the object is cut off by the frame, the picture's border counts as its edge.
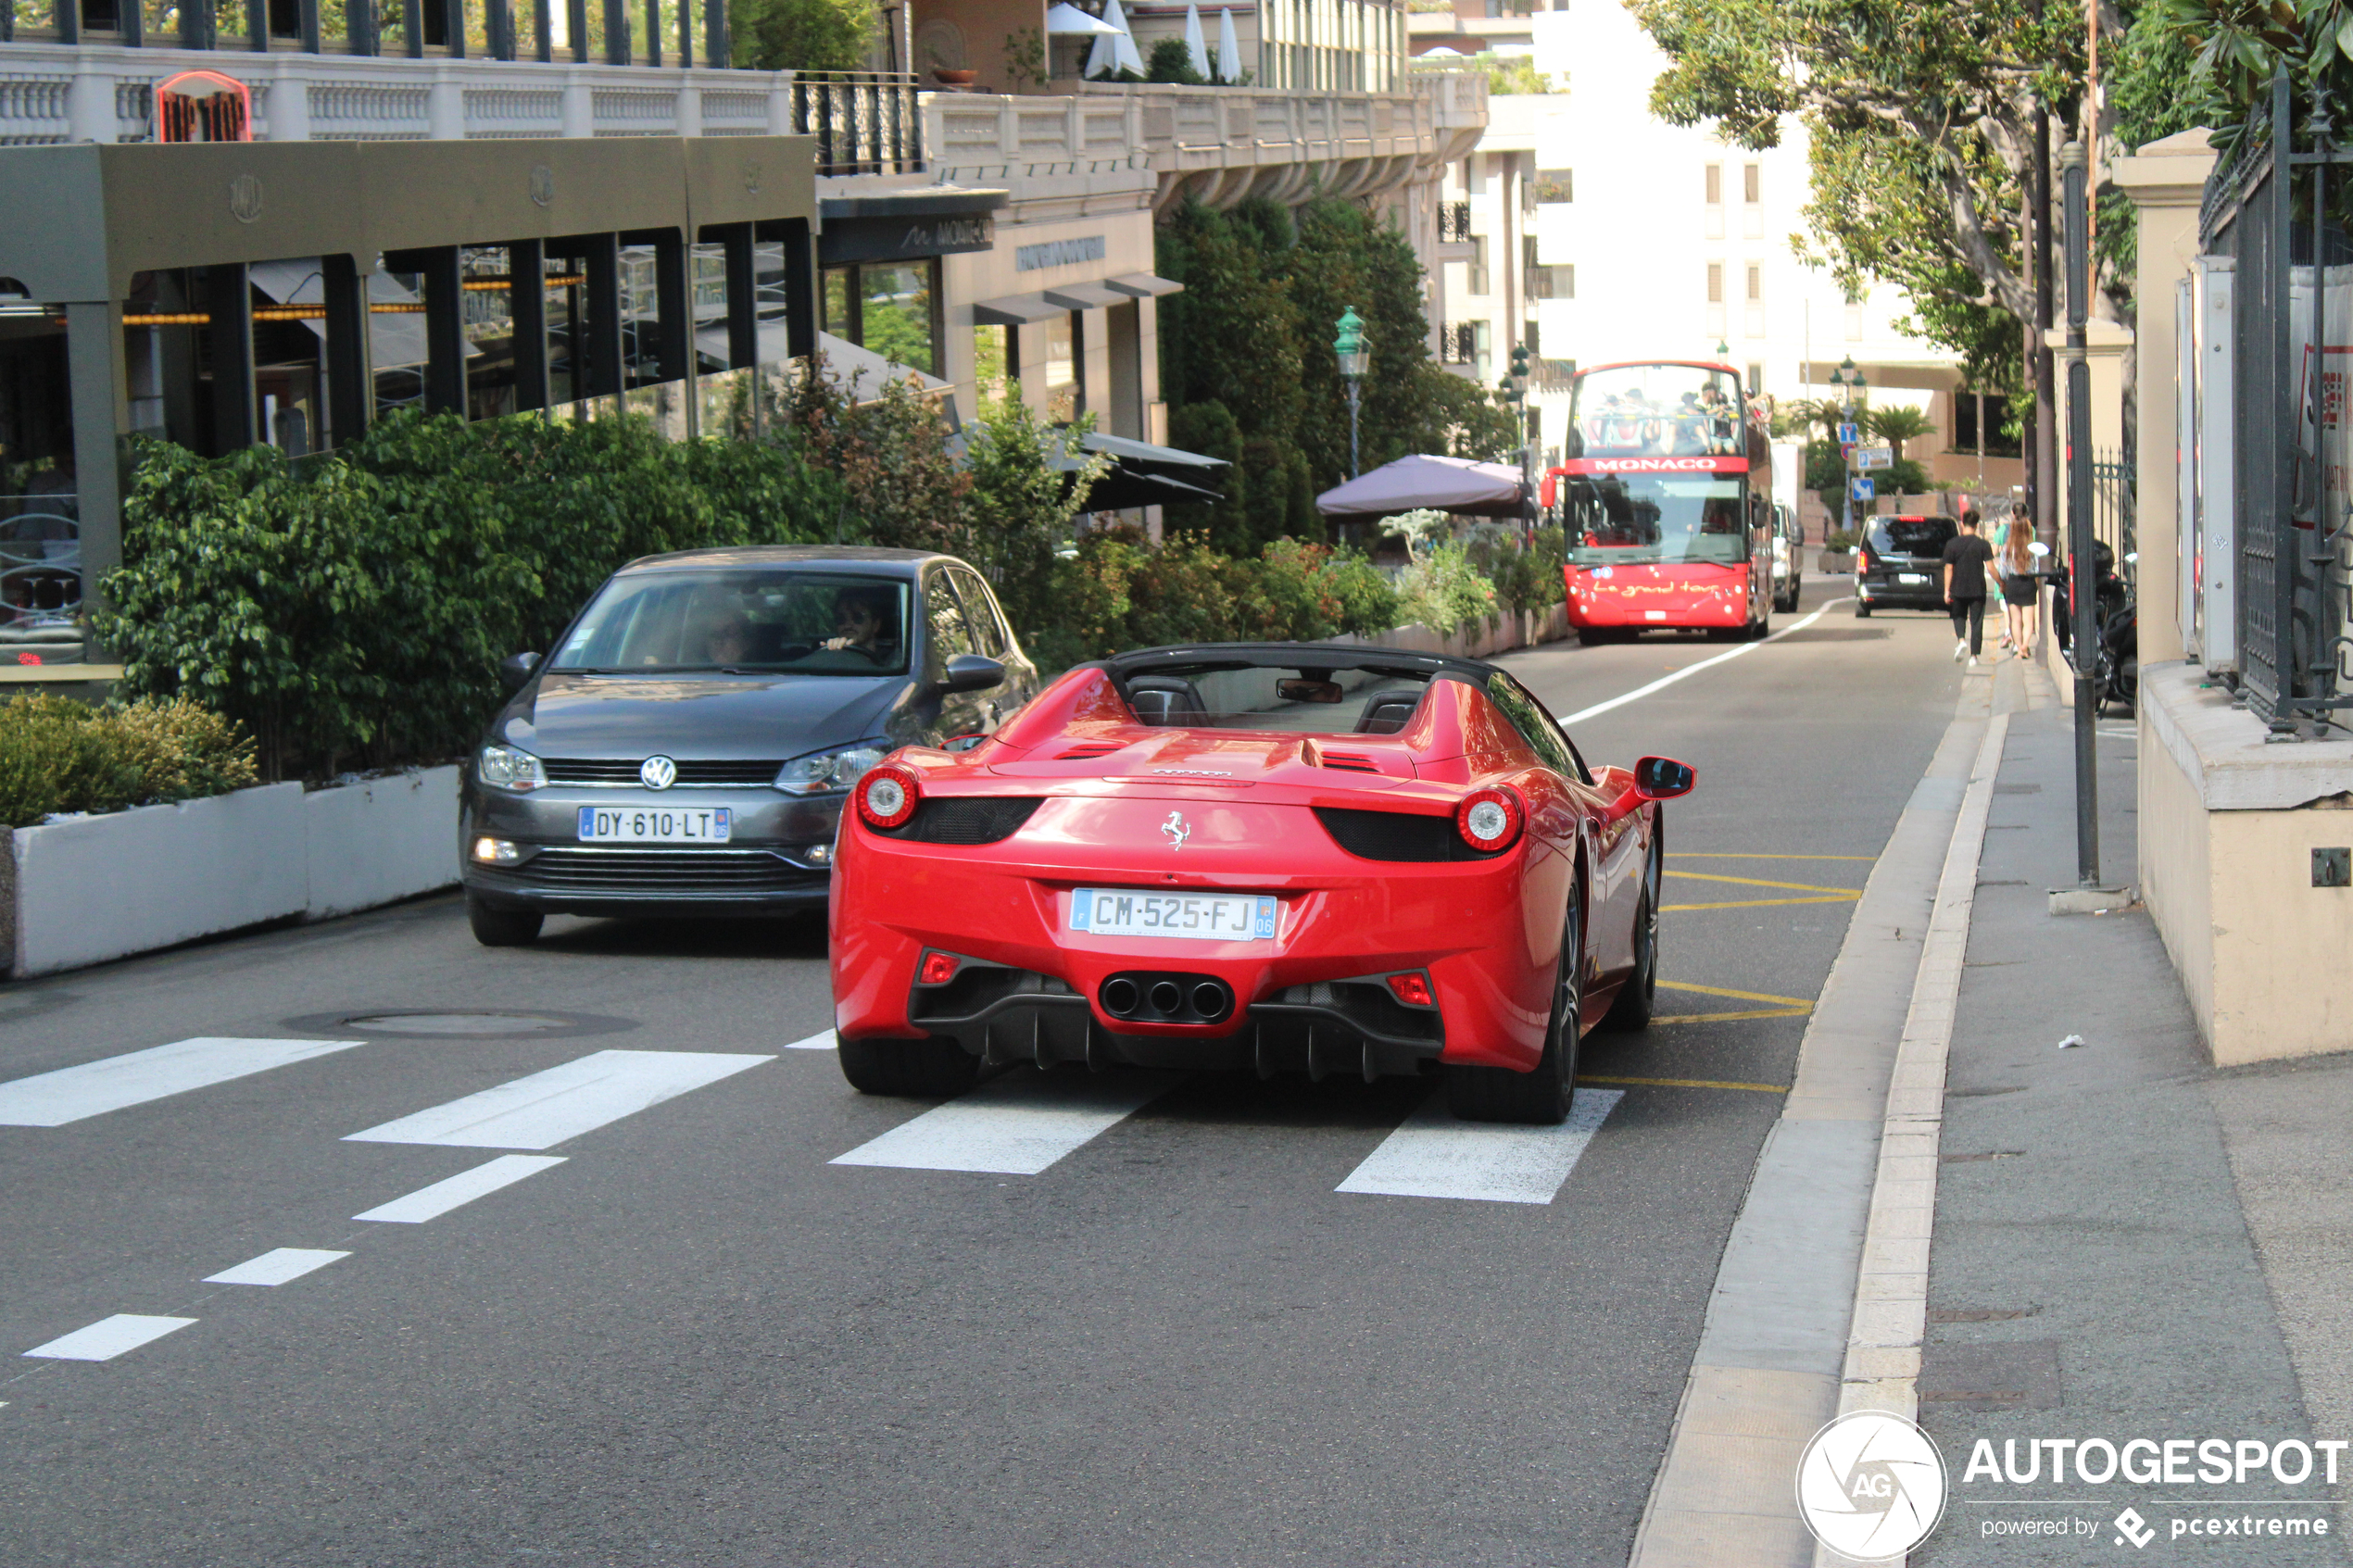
(1272, 857)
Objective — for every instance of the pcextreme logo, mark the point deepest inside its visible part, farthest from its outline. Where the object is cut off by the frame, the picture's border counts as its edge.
(1870, 1485)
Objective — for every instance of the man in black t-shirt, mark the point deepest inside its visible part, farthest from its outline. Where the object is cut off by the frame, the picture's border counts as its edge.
(1965, 561)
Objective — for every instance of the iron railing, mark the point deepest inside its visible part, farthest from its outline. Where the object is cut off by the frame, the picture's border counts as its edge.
(1453, 223)
(1458, 343)
(2112, 504)
(865, 121)
(2287, 403)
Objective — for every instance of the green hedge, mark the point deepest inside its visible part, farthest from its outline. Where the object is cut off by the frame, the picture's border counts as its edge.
(59, 755)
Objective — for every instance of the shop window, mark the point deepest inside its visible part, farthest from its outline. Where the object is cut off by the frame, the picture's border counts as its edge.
(841, 303)
(896, 313)
(1065, 399)
(995, 363)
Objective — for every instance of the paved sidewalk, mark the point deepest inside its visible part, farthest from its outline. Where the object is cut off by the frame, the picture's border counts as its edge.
(2126, 1244)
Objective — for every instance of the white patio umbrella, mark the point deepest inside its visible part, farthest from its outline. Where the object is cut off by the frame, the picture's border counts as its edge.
(1230, 49)
(1196, 48)
(1110, 54)
(1068, 21)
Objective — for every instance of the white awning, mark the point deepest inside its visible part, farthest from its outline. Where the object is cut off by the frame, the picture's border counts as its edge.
(1067, 19)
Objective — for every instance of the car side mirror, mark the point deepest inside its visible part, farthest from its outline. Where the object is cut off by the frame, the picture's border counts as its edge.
(972, 672)
(1663, 778)
(515, 669)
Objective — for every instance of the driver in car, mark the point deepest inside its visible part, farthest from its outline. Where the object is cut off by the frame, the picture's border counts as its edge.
(861, 622)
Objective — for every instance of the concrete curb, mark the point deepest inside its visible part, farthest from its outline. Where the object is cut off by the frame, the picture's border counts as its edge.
(1891, 1291)
(1772, 1361)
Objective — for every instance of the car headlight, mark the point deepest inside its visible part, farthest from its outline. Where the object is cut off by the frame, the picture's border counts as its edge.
(824, 772)
(507, 766)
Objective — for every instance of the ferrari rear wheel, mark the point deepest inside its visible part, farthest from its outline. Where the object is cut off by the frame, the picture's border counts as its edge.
(1631, 1011)
(1542, 1096)
(925, 1067)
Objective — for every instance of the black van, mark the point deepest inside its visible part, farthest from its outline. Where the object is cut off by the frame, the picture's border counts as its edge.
(1901, 564)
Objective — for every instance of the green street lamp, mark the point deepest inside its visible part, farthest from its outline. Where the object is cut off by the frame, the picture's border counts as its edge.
(1723, 349)
(1354, 358)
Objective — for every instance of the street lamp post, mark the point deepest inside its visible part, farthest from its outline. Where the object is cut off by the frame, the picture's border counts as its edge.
(1353, 355)
(1849, 381)
(1514, 388)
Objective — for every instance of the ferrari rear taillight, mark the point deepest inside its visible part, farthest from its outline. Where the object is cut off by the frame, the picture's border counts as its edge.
(887, 796)
(938, 969)
(1488, 819)
(1413, 989)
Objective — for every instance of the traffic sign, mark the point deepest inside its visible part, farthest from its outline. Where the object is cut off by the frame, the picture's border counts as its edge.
(1865, 487)
(1849, 434)
(1874, 456)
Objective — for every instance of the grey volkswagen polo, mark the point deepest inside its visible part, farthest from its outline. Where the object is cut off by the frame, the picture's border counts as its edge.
(687, 747)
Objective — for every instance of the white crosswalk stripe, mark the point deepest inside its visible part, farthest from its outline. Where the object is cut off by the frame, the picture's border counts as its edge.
(107, 1339)
(1432, 1155)
(547, 1108)
(824, 1042)
(69, 1093)
(276, 1266)
(1016, 1126)
(431, 1203)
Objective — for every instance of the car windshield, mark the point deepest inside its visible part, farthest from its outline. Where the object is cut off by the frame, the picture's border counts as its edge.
(1319, 699)
(742, 619)
(1614, 519)
(1913, 536)
(1661, 410)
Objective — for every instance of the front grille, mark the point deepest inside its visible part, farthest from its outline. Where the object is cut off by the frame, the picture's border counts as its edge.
(623, 774)
(972, 819)
(751, 870)
(1395, 835)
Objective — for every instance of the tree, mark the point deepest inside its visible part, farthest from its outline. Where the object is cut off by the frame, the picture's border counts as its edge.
(801, 34)
(1172, 61)
(1898, 424)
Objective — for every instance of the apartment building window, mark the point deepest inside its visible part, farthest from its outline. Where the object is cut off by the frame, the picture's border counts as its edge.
(1556, 185)
(1714, 185)
(1565, 280)
(1715, 282)
(1755, 284)
(1854, 320)
(1752, 180)
(1478, 281)
(1756, 377)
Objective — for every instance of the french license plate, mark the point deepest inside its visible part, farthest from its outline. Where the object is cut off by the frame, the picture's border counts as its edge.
(1911, 579)
(655, 824)
(1205, 917)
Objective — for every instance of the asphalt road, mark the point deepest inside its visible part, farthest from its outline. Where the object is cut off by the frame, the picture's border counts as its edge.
(696, 1341)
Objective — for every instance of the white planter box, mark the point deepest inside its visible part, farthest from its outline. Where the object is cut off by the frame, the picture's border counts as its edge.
(130, 882)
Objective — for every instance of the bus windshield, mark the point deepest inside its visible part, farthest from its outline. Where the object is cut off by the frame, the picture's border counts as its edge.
(1658, 410)
(1614, 520)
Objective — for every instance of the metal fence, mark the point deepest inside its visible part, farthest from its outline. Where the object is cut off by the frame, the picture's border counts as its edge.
(2112, 504)
(2285, 422)
(865, 121)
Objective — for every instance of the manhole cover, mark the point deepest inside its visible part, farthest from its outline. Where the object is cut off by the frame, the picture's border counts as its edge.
(455, 1025)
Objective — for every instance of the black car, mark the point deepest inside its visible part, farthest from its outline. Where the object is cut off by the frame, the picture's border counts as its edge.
(687, 747)
(1901, 564)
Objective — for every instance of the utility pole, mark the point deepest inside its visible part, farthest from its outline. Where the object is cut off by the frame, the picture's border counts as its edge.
(2084, 571)
(2041, 458)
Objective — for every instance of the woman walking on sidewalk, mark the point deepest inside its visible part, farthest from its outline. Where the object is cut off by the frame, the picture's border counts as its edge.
(2020, 586)
(1965, 559)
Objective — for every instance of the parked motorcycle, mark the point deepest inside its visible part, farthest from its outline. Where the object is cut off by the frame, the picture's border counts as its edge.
(2117, 675)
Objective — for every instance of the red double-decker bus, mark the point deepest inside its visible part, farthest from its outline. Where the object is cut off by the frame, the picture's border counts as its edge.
(1665, 494)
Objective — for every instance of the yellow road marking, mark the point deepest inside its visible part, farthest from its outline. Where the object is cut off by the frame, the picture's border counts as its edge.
(1727, 1017)
(1754, 882)
(1743, 996)
(1760, 903)
(1743, 855)
(1690, 1083)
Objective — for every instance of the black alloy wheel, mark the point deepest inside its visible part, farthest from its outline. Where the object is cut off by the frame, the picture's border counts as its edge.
(927, 1069)
(1633, 1010)
(1540, 1097)
(495, 928)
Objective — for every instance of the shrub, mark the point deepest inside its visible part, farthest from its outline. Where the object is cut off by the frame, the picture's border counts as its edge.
(1445, 591)
(57, 754)
(802, 34)
(1172, 61)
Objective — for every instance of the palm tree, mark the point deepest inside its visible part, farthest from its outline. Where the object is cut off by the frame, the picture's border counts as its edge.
(1898, 424)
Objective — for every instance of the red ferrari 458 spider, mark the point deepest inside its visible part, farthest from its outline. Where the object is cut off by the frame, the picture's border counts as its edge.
(1279, 857)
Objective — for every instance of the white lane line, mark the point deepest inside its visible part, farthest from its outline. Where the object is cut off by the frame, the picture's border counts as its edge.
(1016, 1126)
(547, 1107)
(107, 1339)
(52, 1099)
(276, 1266)
(1432, 1155)
(1600, 708)
(824, 1042)
(429, 1203)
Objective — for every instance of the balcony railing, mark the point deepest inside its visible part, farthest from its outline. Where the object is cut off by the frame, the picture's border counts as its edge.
(865, 121)
(1458, 343)
(1453, 222)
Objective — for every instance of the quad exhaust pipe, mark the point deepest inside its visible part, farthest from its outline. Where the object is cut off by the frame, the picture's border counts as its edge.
(1153, 997)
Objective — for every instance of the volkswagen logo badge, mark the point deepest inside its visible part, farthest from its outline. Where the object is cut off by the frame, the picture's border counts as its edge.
(245, 197)
(657, 773)
(543, 184)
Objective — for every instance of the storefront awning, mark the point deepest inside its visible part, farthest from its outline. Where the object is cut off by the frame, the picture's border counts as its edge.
(1143, 286)
(1086, 297)
(1017, 310)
